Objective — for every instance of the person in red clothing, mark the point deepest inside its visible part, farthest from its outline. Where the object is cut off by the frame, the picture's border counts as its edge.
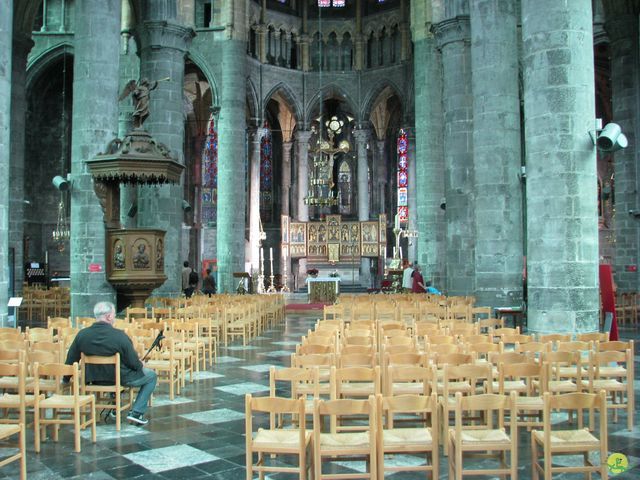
(418, 281)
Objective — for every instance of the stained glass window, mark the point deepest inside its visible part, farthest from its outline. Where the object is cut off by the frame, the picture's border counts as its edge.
(344, 188)
(403, 176)
(324, 3)
(338, 3)
(266, 176)
(210, 174)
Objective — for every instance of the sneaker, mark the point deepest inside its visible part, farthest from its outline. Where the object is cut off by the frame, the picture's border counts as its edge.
(137, 418)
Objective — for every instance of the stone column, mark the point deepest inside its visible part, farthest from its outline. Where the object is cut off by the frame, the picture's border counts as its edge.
(427, 68)
(163, 48)
(453, 39)
(261, 34)
(623, 33)
(497, 156)
(254, 197)
(382, 177)
(287, 49)
(361, 136)
(284, 201)
(302, 139)
(562, 228)
(95, 124)
(21, 47)
(286, 177)
(6, 36)
(232, 166)
(304, 53)
(412, 244)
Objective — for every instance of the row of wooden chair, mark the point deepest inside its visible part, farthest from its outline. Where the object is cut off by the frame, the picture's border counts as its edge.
(380, 435)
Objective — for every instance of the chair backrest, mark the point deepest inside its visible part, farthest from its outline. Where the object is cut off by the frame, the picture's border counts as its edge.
(414, 405)
(575, 346)
(571, 402)
(593, 337)
(344, 407)
(136, 312)
(313, 360)
(415, 359)
(443, 359)
(615, 345)
(296, 378)
(56, 371)
(554, 360)
(470, 373)
(528, 372)
(355, 375)
(356, 360)
(87, 360)
(554, 337)
(488, 403)
(411, 374)
(273, 406)
(309, 349)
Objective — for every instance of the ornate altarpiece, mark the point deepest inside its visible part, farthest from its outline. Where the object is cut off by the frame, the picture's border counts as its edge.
(333, 240)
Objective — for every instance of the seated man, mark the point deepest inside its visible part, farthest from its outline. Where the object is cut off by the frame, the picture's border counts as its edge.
(102, 339)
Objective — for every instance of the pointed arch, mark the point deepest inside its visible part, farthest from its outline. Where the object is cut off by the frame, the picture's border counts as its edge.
(254, 112)
(371, 98)
(329, 91)
(39, 64)
(200, 62)
(286, 93)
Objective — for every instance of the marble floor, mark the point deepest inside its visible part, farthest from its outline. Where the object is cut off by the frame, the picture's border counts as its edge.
(200, 434)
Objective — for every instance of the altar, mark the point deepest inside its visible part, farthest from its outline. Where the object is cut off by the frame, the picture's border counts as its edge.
(323, 289)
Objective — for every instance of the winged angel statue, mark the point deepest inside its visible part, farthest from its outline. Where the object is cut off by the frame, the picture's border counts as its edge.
(140, 92)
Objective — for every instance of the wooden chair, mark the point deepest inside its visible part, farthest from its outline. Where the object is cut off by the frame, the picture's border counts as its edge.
(334, 445)
(469, 379)
(485, 438)
(554, 337)
(108, 397)
(554, 441)
(357, 382)
(166, 366)
(619, 388)
(415, 439)
(19, 401)
(7, 431)
(489, 325)
(76, 405)
(137, 313)
(593, 337)
(276, 441)
(527, 380)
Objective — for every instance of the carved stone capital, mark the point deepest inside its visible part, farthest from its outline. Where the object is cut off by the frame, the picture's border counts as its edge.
(166, 35)
(303, 136)
(361, 135)
(453, 30)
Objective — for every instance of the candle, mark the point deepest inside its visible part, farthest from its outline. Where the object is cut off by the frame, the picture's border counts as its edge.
(394, 252)
(46, 257)
(397, 225)
(271, 254)
(261, 261)
(400, 250)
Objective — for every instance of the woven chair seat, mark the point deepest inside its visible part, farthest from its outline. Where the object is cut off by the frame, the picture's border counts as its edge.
(279, 437)
(349, 439)
(484, 436)
(511, 386)
(562, 437)
(407, 436)
(64, 401)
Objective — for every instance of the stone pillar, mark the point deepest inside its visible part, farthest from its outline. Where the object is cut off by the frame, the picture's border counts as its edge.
(453, 39)
(304, 52)
(254, 197)
(21, 47)
(562, 228)
(427, 71)
(287, 49)
(302, 139)
(95, 124)
(412, 244)
(231, 164)
(383, 175)
(286, 177)
(497, 156)
(261, 35)
(623, 33)
(163, 48)
(6, 36)
(361, 136)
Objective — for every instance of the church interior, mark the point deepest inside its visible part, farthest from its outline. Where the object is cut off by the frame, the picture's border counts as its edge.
(405, 206)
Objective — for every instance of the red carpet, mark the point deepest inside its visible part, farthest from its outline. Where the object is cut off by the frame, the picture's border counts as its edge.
(305, 306)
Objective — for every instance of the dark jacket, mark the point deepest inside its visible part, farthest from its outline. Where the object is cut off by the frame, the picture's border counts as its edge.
(103, 340)
(208, 284)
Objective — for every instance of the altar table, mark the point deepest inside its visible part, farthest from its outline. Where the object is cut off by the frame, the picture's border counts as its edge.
(323, 289)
